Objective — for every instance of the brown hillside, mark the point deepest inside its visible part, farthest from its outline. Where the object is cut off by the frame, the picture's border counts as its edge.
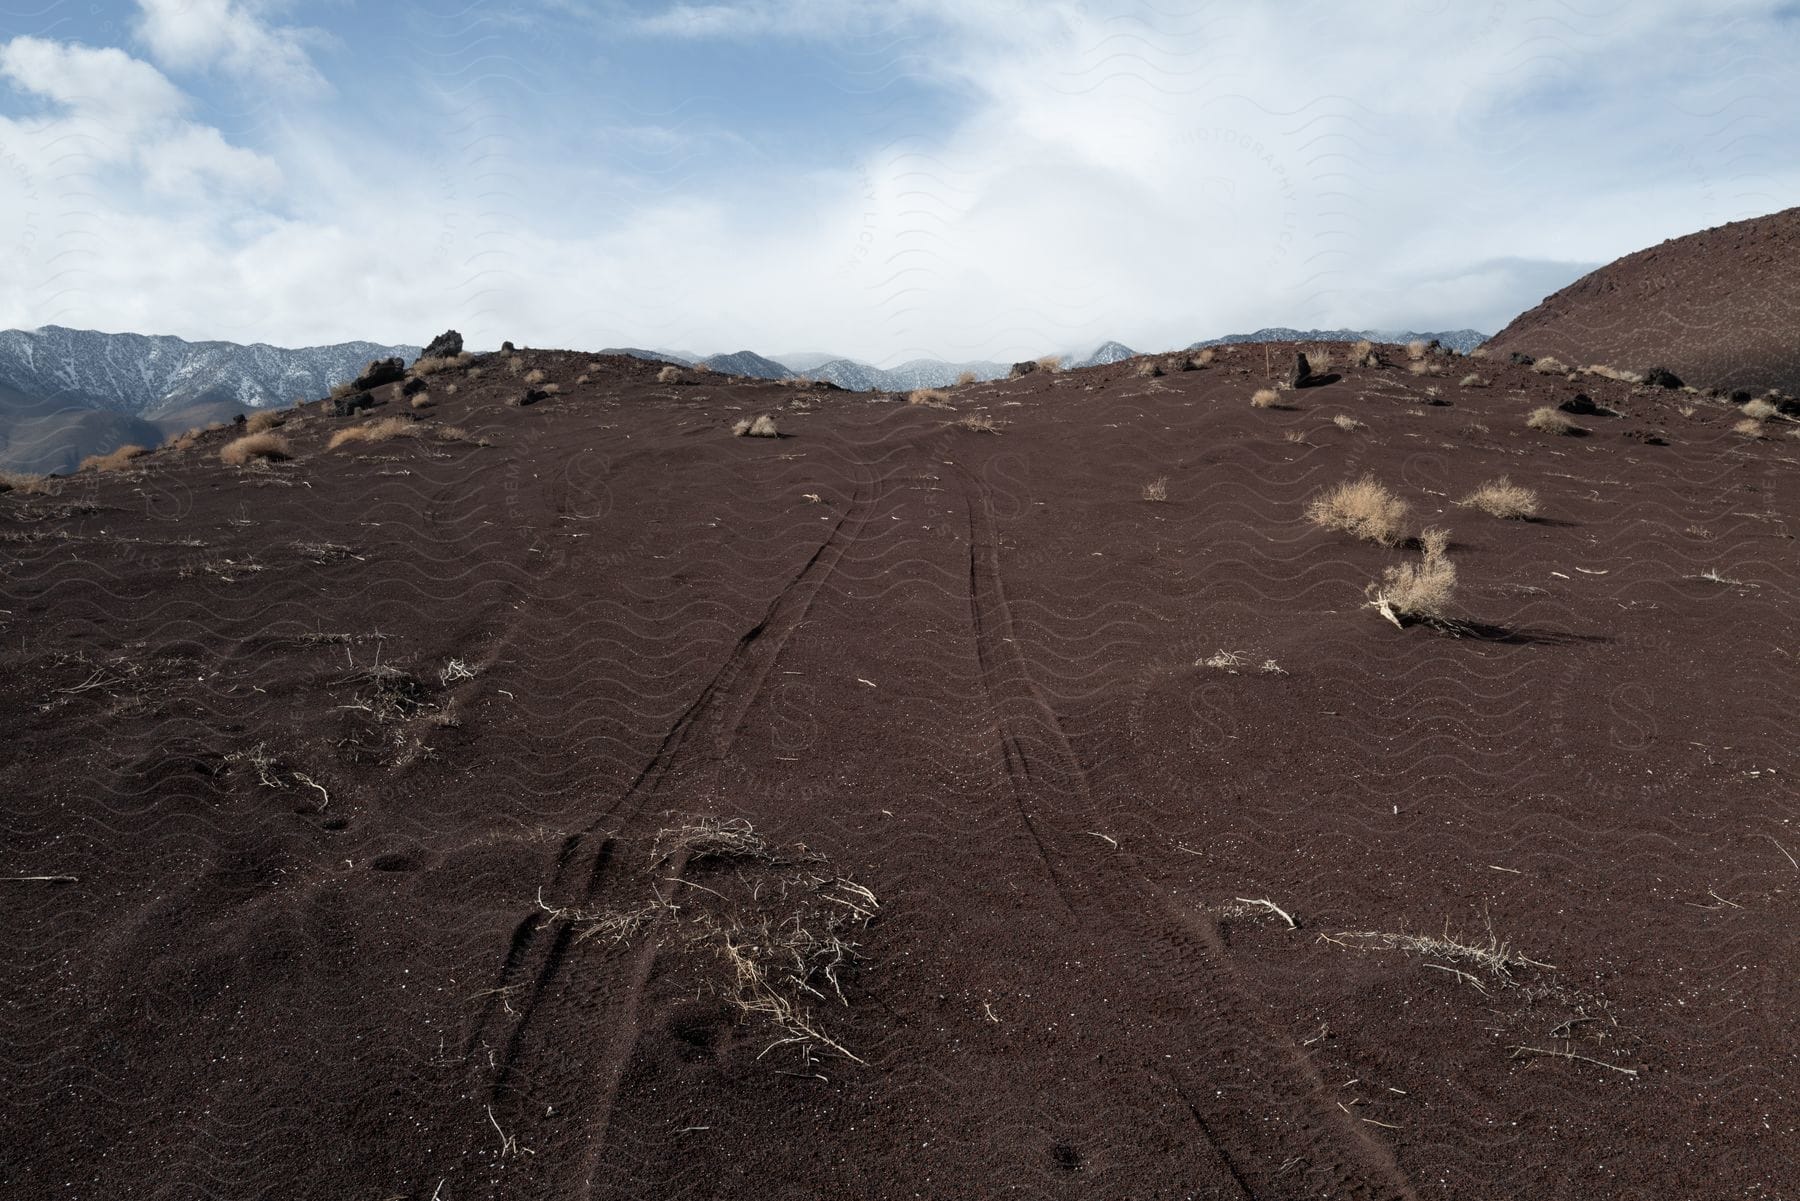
(1720, 308)
(1011, 795)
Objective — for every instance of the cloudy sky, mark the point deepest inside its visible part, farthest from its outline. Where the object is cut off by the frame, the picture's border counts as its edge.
(881, 178)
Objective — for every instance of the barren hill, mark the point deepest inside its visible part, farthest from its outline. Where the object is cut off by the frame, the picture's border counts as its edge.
(1720, 308)
(1013, 794)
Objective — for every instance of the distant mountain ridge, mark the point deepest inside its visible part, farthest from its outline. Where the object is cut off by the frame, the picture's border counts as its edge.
(68, 393)
(1464, 340)
(147, 374)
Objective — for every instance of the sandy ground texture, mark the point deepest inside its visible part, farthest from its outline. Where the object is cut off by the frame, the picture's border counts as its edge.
(1719, 307)
(574, 800)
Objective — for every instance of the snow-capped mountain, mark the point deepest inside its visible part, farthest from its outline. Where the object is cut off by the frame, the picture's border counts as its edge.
(1106, 352)
(1464, 340)
(148, 376)
(916, 373)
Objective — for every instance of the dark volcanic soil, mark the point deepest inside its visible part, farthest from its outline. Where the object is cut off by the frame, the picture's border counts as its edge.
(370, 769)
(1720, 308)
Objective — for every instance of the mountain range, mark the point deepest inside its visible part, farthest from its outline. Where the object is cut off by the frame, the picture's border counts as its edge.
(67, 393)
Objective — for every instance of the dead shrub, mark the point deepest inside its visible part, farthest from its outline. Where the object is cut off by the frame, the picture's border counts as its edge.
(1549, 366)
(965, 378)
(116, 460)
(1157, 489)
(928, 396)
(1761, 409)
(1472, 380)
(1502, 498)
(1362, 508)
(1417, 591)
(760, 427)
(1347, 423)
(1050, 362)
(1613, 373)
(1547, 420)
(1415, 349)
(670, 375)
(422, 400)
(1480, 352)
(1424, 367)
(1265, 398)
(263, 447)
(980, 423)
(1204, 358)
(342, 389)
(376, 431)
(534, 376)
(1149, 369)
(1750, 427)
(25, 485)
(266, 419)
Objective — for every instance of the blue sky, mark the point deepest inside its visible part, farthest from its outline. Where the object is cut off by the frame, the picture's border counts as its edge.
(887, 180)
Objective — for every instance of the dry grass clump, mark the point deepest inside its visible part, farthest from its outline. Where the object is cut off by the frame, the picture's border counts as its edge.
(1549, 366)
(1347, 423)
(965, 378)
(1265, 398)
(1750, 427)
(1362, 508)
(116, 460)
(759, 427)
(1319, 359)
(1417, 591)
(1761, 409)
(376, 431)
(422, 400)
(580, 380)
(535, 376)
(1157, 489)
(265, 419)
(980, 423)
(1050, 362)
(1424, 367)
(1547, 420)
(1502, 498)
(716, 838)
(1149, 369)
(551, 389)
(669, 375)
(1496, 958)
(1613, 373)
(267, 447)
(18, 481)
(1472, 380)
(928, 396)
(440, 362)
(342, 389)
(1204, 358)
(1480, 352)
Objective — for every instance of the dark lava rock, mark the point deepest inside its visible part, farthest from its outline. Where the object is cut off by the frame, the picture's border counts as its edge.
(530, 397)
(379, 372)
(1300, 372)
(1582, 405)
(446, 345)
(356, 402)
(413, 386)
(1520, 359)
(1019, 369)
(506, 348)
(1662, 377)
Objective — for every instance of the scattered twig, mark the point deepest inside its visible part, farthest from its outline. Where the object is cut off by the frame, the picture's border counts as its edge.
(1459, 974)
(1272, 907)
(1522, 1052)
(1106, 837)
(41, 879)
(1783, 850)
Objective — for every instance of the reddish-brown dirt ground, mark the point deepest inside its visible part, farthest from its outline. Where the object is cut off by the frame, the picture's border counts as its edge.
(1720, 308)
(359, 768)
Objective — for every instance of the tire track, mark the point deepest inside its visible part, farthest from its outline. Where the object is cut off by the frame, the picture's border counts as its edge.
(700, 737)
(1139, 924)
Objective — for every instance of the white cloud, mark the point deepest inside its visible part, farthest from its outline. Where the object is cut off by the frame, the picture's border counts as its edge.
(100, 82)
(228, 34)
(1108, 170)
